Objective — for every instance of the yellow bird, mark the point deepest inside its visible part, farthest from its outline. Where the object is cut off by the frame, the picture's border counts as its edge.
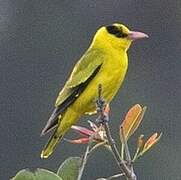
(105, 62)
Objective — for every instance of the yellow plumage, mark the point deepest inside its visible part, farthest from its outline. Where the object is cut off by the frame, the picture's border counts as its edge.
(105, 62)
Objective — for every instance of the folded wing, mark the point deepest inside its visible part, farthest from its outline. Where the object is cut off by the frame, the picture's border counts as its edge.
(84, 71)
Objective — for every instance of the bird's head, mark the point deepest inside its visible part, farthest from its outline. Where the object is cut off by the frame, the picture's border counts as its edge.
(118, 36)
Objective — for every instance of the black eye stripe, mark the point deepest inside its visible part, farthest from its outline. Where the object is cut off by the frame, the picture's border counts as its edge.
(113, 30)
(116, 31)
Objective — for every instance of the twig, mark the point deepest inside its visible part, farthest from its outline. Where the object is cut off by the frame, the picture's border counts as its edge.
(115, 176)
(84, 161)
(112, 177)
(87, 153)
(127, 152)
(96, 146)
(103, 119)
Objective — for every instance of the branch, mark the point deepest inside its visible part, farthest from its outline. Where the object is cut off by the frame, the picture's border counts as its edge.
(88, 152)
(84, 161)
(125, 144)
(104, 120)
(112, 177)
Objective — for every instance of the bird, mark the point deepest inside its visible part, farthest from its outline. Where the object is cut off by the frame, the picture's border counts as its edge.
(105, 62)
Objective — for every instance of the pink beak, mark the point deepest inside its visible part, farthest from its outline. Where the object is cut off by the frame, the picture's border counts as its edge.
(133, 35)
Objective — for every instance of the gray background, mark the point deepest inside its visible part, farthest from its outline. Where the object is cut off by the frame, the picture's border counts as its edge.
(40, 41)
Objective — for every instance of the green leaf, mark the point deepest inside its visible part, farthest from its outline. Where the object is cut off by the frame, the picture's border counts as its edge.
(38, 174)
(69, 169)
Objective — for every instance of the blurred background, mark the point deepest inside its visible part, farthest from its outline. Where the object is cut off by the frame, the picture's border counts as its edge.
(40, 41)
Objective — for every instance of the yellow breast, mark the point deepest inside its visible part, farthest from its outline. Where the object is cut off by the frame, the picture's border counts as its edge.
(110, 76)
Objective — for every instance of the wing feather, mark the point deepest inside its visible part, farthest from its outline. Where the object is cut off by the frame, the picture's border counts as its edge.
(84, 71)
(81, 72)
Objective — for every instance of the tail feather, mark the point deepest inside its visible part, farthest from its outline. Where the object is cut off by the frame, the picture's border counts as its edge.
(50, 146)
(69, 118)
(52, 122)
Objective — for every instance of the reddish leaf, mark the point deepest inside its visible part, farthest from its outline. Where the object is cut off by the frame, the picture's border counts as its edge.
(78, 141)
(83, 130)
(151, 141)
(97, 134)
(132, 120)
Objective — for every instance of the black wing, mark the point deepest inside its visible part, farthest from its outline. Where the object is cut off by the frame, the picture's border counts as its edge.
(59, 110)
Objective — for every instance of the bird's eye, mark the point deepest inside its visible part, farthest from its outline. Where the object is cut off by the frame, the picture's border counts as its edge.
(116, 31)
